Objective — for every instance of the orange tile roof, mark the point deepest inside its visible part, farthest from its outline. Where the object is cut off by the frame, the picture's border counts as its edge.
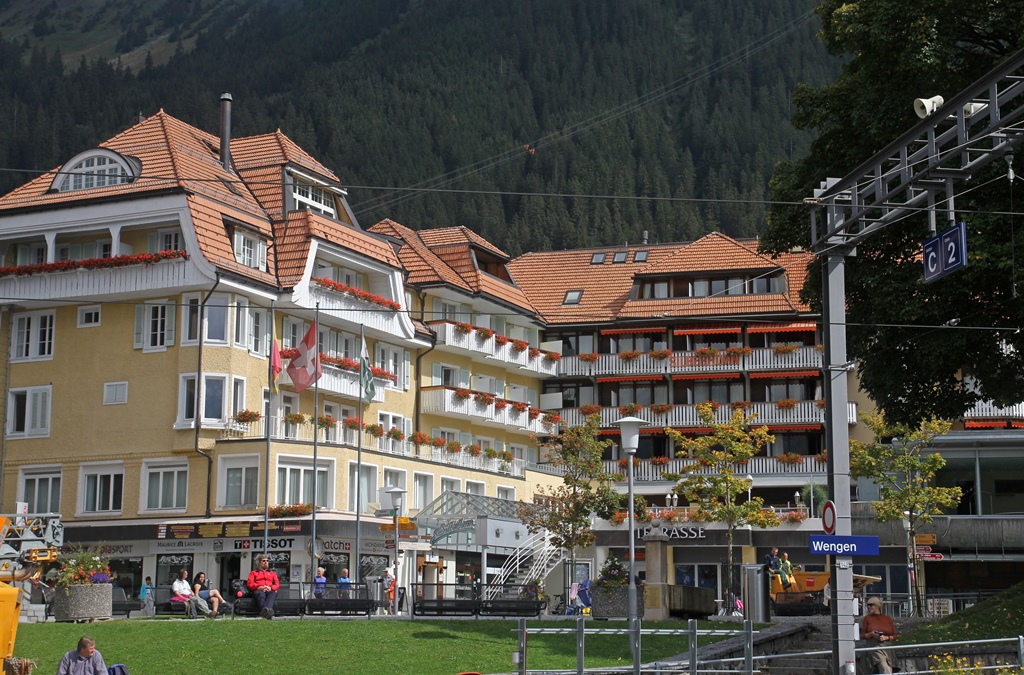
(546, 277)
(296, 233)
(446, 236)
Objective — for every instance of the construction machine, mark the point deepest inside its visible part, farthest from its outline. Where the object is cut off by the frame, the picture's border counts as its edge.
(27, 542)
(804, 593)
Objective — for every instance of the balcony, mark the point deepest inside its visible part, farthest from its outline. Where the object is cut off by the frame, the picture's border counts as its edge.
(340, 382)
(340, 437)
(804, 412)
(479, 409)
(355, 310)
(453, 339)
(644, 470)
(693, 363)
(104, 282)
(993, 414)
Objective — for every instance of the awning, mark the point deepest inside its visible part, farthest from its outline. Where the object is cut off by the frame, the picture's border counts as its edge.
(632, 378)
(708, 329)
(708, 376)
(783, 327)
(781, 374)
(794, 427)
(638, 329)
(987, 424)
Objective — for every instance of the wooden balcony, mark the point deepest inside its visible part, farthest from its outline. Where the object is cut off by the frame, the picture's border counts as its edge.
(450, 338)
(682, 416)
(445, 401)
(692, 363)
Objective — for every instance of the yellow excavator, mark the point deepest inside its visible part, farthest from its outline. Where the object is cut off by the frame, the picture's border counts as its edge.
(804, 593)
(27, 542)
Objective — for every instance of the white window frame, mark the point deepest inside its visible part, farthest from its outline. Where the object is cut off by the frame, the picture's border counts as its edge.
(33, 336)
(87, 312)
(219, 304)
(240, 323)
(154, 333)
(115, 393)
(100, 469)
(419, 499)
(38, 403)
(186, 399)
(498, 489)
(244, 463)
(390, 475)
(250, 250)
(303, 465)
(450, 482)
(473, 485)
(42, 472)
(316, 198)
(238, 389)
(225, 399)
(98, 168)
(258, 332)
(178, 468)
(372, 473)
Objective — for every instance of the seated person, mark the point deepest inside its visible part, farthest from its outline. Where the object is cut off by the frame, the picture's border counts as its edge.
(183, 589)
(344, 583)
(876, 628)
(211, 595)
(263, 583)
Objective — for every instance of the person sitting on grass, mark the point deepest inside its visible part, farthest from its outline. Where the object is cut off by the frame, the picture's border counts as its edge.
(183, 590)
(211, 595)
(84, 660)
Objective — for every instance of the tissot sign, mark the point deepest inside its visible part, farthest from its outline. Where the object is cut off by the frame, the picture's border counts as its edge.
(257, 544)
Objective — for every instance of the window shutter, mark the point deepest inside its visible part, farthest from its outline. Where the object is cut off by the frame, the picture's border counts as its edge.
(465, 313)
(465, 438)
(153, 244)
(263, 255)
(40, 405)
(406, 374)
(532, 335)
(407, 426)
(531, 397)
(140, 321)
(499, 388)
(169, 324)
(381, 360)
(438, 312)
(435, 432)
(499, 445)
(238, 247)
(499, 325)
(464, 377)
(435, 374)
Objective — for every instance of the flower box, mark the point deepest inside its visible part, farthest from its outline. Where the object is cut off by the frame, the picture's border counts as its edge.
(353, 423)
(661, 408)
(93, 263)
(783, 349)
(357, 293)
(820, 404)
(500, 404)
(790, 458)
(738, 351)
(520, 407)
(501, 340)
(463, 328)
(534, 352)
(786, 404)
(484, 333)
(613, 601)
(661, 460)
(661, 354)
(793, 517)
(551, 419)
(473, 450)
(589, 357)
(534, 413)
(630, 409)
(454, 447)
(295, 418)
(290, 510)
(624, 462)
(419, 438)
(706, 352)
(629, 355)
(462, 393)
(483, 398)
(396, 434)
(552, 357)
(247, 416)
(439, 442)
(326, 422)
(375, 430)
(740, 405)
(87, 602)
(505, 456)
(520, 345)
(589, 409)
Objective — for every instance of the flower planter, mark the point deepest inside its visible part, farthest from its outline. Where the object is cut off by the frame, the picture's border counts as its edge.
(613, 602)
(87, 602)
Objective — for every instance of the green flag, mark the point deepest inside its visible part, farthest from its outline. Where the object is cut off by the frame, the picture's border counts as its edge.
(366, 376)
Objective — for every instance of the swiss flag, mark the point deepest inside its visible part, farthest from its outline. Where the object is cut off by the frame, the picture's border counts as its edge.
(304, 369)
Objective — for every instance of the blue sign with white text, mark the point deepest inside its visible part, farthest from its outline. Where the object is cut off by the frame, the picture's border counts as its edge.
(828, 544)
(945, 253)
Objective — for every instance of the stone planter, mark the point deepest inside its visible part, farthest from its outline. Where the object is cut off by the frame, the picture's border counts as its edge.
(83, 603)
(613, 602)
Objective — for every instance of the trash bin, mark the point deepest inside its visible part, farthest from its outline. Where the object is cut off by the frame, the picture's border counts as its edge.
(756, 599)
(401, 599)
(377, 589)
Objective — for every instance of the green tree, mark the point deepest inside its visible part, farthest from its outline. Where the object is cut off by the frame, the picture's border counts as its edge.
(711, 480)
(898, 463)
(564, 510)
(897, 51)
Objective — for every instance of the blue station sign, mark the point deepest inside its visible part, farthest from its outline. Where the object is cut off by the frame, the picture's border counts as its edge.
(825, 544)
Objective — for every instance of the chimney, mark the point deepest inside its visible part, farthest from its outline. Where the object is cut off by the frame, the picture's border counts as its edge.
(643, 239)
(225, 131)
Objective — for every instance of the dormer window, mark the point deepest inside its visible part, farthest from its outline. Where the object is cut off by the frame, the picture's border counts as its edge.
(314, 198)
(572, 297)
(620, 257)
(94, 169)
(640, 256)
(598, 259)
(250, 250)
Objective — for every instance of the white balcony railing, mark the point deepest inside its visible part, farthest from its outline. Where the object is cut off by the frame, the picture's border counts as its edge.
(805, 412)
(988, 410)
(448, 334)
(644, 470)
(340, 436)
(803, 358)
(445, 401)
(334, 380)
(129, 280)
(355, 310)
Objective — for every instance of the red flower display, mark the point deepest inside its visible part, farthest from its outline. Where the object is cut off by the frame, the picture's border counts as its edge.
(356, 293)
(93, 263)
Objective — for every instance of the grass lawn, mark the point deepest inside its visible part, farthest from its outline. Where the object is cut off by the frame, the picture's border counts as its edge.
(352, 647)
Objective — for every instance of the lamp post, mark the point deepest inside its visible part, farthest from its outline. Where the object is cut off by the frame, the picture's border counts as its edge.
(397, 494)
(750, 487)
(629, 430)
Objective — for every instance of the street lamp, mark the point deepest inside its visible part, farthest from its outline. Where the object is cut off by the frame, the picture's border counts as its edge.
(397, 495)
(671, 500)
(750, 486)
(629, 431)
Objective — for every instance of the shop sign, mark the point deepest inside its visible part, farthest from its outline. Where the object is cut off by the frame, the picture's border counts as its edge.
(256, 544)
(448, 528)
(674, 532)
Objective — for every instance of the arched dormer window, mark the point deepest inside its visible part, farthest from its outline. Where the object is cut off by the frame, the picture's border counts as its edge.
(94, 168)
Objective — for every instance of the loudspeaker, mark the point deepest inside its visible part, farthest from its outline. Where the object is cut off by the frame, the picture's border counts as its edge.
(926, 106)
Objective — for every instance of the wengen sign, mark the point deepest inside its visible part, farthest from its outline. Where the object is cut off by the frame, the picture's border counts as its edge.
(830, 544)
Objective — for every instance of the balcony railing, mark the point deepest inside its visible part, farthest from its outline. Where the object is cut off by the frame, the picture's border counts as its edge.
(804, 412)
(445, 401)
(988, 410)
(131, 279)
(342, 382)
(756, 466)
(338, 436)
(355, 310)
(448, 334)
(692, 363)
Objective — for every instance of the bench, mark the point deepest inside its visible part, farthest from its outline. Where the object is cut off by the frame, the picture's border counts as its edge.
(510, 600)
(122, 605)
(353, 601)
(444, 600)
(289, 601)
(164, 606)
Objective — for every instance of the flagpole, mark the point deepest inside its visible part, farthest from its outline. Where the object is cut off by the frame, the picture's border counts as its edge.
(316, 437)
(359, 462)
(266, 424)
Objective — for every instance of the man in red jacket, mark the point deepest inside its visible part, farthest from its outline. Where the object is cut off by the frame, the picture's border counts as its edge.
(263, 583)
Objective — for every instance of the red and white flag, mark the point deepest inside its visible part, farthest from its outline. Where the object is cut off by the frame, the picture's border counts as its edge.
(304, 369)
